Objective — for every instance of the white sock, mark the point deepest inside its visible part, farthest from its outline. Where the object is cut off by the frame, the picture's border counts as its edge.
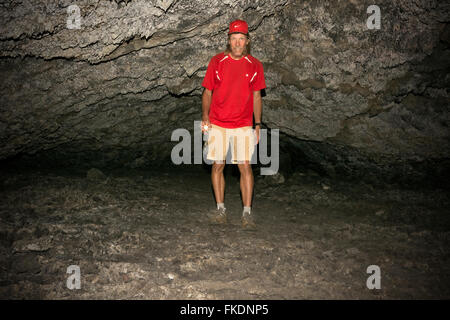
(220, 205)
(247, 209)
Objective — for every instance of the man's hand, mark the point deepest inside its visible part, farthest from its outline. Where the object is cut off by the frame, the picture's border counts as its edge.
(257, 128)
(205, 124)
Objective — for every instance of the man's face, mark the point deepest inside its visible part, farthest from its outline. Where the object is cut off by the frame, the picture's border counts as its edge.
(238, 41)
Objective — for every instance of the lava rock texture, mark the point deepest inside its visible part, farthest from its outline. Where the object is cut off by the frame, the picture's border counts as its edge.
(348, 100)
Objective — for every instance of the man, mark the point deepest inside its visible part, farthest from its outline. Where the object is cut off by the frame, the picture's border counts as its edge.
(231, 97)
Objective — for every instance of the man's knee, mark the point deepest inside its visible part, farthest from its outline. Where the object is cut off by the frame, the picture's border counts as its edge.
(245, 167)
(218, 167)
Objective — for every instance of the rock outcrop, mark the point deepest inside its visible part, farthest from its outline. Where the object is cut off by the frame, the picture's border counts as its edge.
(347, 99)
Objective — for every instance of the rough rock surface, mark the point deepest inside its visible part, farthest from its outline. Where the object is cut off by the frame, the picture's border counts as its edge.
(111, 92)
(134, 239)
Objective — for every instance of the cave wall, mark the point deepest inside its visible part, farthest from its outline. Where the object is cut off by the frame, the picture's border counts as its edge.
(112, 91)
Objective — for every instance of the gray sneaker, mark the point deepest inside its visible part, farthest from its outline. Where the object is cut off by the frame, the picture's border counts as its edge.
(248, 221)
(218, 216)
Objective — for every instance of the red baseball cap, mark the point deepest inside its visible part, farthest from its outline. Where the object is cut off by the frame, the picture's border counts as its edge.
(238, 26)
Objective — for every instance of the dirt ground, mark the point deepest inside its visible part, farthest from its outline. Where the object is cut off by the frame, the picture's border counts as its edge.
(145, 235)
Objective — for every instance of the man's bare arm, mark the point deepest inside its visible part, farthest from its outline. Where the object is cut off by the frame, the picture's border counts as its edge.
(206, 103)
(257, 105)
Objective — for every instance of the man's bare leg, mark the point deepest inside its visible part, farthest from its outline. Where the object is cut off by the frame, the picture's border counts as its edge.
(218, 181)
(246, 182)
(247, 193)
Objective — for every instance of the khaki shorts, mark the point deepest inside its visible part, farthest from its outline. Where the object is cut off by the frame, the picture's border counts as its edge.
(242, 141)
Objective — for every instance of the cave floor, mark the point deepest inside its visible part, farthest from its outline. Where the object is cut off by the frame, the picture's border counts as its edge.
(145, 235)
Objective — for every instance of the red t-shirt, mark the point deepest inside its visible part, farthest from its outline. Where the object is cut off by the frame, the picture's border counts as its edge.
(233, 82)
